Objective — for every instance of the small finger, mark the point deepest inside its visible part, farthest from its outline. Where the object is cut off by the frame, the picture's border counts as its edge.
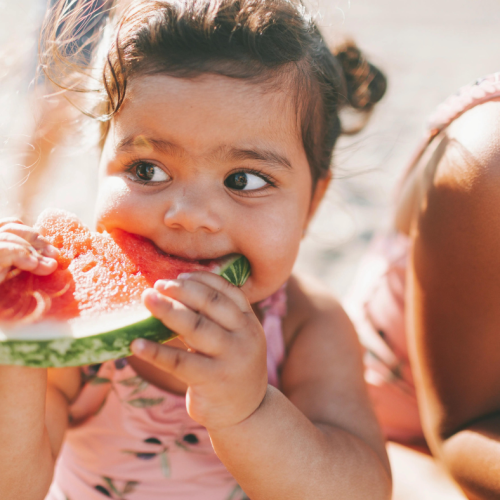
(3, 273)
(41, 266)
(45, 250)
(204, 299)
(10, 220)
(8, 238)
(24, 257)
(222, 285)
(49, 250)
(45, 266)
(17, 257)
(196, 330)
(32, 237)
(188, 367)
(14, 254)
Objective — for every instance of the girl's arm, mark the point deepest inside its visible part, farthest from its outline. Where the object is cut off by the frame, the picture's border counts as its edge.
(454, 304)
(26, 461)
(318, 439)
(33, 421)
(33, 414)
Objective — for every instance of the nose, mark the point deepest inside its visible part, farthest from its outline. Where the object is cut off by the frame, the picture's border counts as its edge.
(192, 211)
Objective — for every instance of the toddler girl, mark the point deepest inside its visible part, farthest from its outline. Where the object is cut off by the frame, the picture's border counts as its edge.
(219, 121)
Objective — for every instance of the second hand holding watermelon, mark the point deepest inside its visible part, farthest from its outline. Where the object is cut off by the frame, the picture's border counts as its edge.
(225, 366)
(23, 248)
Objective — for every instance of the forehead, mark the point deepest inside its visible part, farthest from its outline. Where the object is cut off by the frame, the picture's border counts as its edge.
(209, 111)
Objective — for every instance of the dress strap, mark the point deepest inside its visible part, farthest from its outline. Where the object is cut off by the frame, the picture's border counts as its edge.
(482, 90)
(273, 310)
(466, 98)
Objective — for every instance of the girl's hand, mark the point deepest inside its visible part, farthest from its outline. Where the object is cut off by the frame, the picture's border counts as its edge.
(225, 366)
(22, 247)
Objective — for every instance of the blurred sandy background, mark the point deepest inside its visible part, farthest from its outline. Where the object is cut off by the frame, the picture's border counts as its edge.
(427, 48)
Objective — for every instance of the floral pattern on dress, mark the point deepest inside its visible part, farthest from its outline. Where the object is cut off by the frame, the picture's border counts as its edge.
(111, 490)
(129, 391)
(237, 494)
(146, 434)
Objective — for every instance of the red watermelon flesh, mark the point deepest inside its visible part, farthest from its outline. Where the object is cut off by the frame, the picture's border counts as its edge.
(97, 273)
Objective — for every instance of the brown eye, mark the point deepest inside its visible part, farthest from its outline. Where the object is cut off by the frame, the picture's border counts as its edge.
(145, 171)
(148, 172)
(237, 181)
(245, 181)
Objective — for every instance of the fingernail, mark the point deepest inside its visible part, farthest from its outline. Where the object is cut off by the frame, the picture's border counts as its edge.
(184, 276)
(152, 295)
(47, 261)
(50, 251)
(163, 284)
(138, 346)
(31, 259)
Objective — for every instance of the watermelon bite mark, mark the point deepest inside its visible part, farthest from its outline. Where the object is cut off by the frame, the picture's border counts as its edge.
(89, 310)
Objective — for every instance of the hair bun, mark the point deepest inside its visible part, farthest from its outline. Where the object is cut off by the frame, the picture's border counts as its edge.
(365, 83)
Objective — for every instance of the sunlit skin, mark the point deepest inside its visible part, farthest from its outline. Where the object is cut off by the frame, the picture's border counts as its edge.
(451, 215)
(196, 135)
(205, 168)
(210, 128)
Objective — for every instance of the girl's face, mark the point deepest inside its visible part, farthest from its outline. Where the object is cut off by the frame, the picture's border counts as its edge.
(209, 167)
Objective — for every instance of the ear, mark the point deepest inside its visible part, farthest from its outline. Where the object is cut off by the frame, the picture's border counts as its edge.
(318, 194)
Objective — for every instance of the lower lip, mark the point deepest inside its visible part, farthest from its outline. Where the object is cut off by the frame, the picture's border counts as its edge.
(194, 262)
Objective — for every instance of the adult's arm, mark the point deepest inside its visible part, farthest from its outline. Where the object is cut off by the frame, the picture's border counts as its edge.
(454, 304)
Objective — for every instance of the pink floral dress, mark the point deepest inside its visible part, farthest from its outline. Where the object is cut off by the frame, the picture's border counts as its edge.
(130, 440)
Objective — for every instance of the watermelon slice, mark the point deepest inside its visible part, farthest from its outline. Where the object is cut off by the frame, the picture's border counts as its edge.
(89, 310)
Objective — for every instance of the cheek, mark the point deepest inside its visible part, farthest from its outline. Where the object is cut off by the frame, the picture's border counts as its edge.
(271, 243)
(113, 204)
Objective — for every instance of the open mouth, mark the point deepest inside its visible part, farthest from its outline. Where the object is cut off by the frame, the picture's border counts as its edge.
(184, 264)
(182, 259)
(204, 262)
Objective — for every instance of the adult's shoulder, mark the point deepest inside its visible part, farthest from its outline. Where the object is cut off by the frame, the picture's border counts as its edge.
(460, 207)
(452, 300)
(472, 154)
(454, 277)
(460, 159)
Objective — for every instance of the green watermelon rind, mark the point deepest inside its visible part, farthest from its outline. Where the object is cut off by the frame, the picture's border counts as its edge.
(94, 349)
(70, 351)
(237, 272)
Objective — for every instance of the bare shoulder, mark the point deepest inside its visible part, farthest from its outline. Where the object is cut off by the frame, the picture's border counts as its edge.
(460, 207)
(322, 347)
(454, 277)
(323, 370)
(311, 303)
(473, 152)
(458, 159)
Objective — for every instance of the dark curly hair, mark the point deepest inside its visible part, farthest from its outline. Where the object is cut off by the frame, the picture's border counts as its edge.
(271, 42)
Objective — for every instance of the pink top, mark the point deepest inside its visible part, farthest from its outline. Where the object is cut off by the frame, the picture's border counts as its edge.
(376, 302)
(130, 440)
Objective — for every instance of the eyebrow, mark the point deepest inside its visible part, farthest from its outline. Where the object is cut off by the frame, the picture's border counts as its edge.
(227, 153)
(270, 157)
(150, 143)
